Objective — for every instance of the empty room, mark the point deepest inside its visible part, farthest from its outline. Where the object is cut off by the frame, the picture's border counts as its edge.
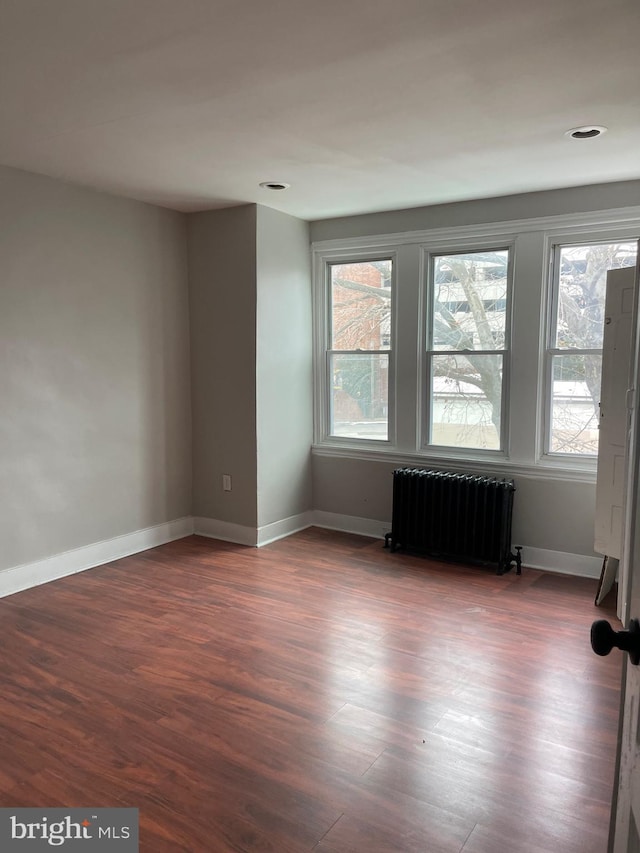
(320, 467)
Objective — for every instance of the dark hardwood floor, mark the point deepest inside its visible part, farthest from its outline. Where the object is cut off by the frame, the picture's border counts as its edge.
(319, 694)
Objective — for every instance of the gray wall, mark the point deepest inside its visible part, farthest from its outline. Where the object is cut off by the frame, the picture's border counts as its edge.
(549, 514)
(105, 388)
(523, 206)
(251, 354)
(284, 366)
(552, 511)
(95, 432)
(222, 296)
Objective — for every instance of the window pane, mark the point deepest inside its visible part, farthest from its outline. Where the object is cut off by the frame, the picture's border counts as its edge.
(361, 305)
(574, 405)
(359, 398)
(470, 301)
(581, 293)
(466, 401)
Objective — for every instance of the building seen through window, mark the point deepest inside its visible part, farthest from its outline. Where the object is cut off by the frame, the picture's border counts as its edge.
(360, 346)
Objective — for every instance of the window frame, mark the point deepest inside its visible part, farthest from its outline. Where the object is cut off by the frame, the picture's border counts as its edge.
(427, 351)
(524, 403)
(548, 350)
(324, 352)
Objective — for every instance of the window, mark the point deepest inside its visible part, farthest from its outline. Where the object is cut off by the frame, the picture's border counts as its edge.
(574, 352)
(474, 347)
(467, 344)
(359, 348)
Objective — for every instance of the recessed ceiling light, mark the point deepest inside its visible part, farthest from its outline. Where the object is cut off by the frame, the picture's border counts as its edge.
(274, 185)
(587, 131)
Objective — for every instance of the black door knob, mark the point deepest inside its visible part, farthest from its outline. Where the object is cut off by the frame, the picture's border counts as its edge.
(604, 638)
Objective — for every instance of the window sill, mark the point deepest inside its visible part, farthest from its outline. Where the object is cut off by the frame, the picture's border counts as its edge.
(501, 467)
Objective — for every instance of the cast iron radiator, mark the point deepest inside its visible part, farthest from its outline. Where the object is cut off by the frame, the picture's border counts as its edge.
(458, 516)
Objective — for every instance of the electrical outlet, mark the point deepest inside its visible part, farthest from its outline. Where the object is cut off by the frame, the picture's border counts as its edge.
(226, 482)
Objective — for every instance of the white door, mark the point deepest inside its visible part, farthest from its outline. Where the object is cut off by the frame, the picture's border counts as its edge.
(625, 825)
(614, 423)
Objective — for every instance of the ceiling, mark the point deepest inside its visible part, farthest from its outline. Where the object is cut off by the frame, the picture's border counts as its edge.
(360, 105)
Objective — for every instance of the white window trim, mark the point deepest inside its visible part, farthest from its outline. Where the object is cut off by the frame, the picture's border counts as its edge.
(501, 467)
(616, 223)
(427, 285)
(575, 223)
(322, 263)
(603, 233)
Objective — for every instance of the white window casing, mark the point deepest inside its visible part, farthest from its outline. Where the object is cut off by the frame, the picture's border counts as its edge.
(529, 312)
(430, 353)
(324, 351)
(552, 351)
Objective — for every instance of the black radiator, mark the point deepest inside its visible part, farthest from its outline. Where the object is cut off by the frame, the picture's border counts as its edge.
(458, 516)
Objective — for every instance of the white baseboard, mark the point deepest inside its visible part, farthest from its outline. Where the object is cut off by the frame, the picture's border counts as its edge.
(350, 524)
(226, 531)
(279, 529)
(559, 561)
(252, 536)
(257, 537)
(28, 575)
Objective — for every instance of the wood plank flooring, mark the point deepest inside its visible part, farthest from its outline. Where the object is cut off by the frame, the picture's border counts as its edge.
(319, 694)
